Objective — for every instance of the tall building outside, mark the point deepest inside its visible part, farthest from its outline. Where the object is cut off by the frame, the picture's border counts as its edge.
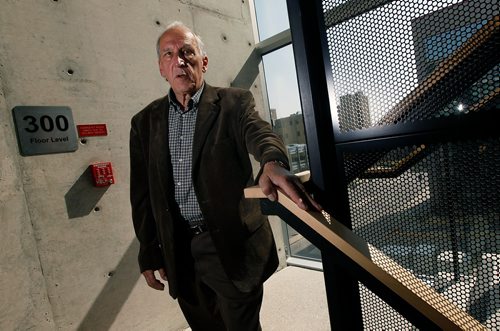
(354, 112)
(272, 112)
(291, 130)
(299, 159)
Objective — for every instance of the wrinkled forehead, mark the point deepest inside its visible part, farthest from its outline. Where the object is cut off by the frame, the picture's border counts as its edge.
(177, 37)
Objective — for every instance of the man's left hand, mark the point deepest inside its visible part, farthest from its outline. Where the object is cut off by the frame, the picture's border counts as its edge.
(275, 177)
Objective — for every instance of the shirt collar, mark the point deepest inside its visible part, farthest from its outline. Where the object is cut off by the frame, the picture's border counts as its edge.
(193, 102)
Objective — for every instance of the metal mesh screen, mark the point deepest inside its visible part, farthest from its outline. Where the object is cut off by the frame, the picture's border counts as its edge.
(404, 61)
(373, 308)
(432, 207)
(435, 210)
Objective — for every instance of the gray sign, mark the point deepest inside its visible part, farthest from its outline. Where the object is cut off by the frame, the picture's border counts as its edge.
(45, 129)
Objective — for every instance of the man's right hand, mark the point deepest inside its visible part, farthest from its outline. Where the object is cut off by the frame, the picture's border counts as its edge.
(152, 281)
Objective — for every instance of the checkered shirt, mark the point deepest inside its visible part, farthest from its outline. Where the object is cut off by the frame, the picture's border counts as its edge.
(181, 127)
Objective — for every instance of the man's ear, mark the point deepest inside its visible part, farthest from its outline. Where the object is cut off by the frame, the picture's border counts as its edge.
(204, 62)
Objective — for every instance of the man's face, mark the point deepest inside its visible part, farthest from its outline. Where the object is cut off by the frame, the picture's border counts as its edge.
(181, 62)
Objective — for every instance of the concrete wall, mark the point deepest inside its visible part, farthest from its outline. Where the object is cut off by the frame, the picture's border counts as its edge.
(68, 256)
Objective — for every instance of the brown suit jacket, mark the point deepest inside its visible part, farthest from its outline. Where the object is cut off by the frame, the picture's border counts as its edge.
(227, 129)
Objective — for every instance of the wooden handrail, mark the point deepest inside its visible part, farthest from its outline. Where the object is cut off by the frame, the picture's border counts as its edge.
(397, 167)
(403, 283)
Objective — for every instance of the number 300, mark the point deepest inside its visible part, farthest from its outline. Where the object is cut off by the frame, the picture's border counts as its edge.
(46, 123)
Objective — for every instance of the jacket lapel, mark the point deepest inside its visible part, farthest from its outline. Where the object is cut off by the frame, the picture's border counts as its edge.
(207, 113)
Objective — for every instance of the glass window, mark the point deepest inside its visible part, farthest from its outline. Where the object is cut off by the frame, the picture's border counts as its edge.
(281, 82)
(272, 17)
(284, 100)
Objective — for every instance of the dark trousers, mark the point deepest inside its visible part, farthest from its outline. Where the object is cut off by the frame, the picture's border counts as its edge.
(220, 305)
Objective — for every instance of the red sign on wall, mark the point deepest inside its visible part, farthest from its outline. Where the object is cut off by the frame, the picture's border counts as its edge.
(92, 130)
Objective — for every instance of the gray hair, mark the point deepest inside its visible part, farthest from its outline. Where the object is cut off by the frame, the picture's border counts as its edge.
(178, 24)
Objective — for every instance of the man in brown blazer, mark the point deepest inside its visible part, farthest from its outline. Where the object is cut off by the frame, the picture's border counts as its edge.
(189, 154)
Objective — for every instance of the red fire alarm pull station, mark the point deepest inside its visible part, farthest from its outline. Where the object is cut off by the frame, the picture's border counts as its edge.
(102, 173)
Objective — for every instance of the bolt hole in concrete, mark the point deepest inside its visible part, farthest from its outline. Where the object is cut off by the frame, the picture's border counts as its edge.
(110, 274)
(70, 72)
(96, 209)
(83, 141)
(158, 23)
